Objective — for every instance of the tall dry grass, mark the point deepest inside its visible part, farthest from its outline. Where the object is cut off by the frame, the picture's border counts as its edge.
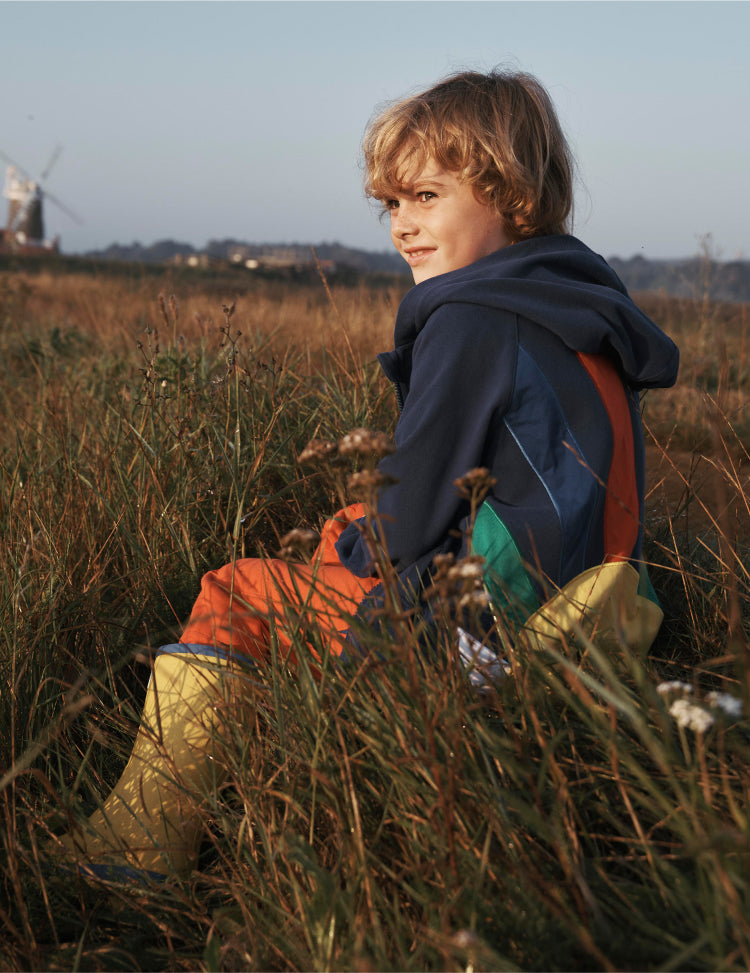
(378, 815)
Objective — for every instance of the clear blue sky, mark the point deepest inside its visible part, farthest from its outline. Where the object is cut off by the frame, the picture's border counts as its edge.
(205, 120)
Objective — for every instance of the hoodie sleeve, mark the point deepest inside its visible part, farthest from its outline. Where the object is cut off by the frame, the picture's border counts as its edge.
(461, 381)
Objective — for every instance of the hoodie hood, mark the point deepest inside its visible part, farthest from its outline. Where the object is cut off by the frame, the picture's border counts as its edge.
(559, 283)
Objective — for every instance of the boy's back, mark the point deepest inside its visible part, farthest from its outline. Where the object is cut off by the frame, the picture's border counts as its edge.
(526, 362)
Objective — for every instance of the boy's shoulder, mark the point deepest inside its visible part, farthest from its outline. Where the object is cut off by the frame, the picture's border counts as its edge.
(554, 282)
(507, 280)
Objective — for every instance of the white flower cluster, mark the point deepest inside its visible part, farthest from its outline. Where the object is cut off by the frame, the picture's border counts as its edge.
(726, 702)
(698, 716)
(467, 570)
(316, 451)
(364, 483)
(673, 686)
(365, 441)
(478, 598)
(691, 716)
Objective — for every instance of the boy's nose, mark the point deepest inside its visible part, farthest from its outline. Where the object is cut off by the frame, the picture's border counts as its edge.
(403, 222)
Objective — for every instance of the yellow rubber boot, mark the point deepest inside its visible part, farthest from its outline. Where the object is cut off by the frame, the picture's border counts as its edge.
(603, 603)
(150, 825)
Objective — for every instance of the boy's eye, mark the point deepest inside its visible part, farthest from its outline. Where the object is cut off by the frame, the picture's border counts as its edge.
(390, 204)
(425, 196)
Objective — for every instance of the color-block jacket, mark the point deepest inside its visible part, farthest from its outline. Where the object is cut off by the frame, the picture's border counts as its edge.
(527, 362)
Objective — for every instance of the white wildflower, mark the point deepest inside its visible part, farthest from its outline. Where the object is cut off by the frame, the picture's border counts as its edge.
(366, 481)
(365, 441)
(466, 939)
(468, 570)
(726, 702)
(316, 450)
(693, 717)
(674, 686)
(476, 599)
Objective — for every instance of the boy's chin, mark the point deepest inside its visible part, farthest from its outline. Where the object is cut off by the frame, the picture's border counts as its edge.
(420, 275)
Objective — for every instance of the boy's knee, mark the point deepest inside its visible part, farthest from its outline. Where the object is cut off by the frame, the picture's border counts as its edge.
(229, 576)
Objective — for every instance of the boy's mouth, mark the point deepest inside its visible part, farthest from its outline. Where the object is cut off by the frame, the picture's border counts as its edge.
(415, 256)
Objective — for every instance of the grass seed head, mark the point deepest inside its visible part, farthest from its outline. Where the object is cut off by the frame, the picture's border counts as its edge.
(364, 442)
(367, 483)
(475, 485)
(317, 450)
(298, 541)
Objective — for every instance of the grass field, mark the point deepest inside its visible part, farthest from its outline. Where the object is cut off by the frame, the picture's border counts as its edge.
(384, 817)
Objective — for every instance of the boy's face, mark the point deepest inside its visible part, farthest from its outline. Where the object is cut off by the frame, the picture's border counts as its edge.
(438, 224)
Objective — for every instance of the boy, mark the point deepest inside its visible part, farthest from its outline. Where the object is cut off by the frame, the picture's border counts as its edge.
(520, 352)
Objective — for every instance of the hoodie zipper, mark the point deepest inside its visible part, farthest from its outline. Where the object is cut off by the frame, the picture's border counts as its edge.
(399, 397)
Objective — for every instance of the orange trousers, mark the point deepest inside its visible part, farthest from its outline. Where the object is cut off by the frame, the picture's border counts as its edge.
(239, 603)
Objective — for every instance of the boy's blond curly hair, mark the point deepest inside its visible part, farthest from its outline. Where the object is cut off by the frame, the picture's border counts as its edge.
(499, 131)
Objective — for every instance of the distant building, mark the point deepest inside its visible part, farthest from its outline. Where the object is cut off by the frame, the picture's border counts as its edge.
(196, 260)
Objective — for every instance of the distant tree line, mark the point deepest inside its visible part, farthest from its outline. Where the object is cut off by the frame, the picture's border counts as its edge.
(696, 277)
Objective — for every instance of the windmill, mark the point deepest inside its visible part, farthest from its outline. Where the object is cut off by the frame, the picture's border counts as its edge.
(24, 231)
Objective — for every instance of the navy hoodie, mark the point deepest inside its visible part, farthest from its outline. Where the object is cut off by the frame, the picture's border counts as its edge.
(526, 362)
